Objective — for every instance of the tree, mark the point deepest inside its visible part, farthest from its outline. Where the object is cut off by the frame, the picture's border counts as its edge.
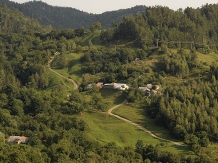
(95, 26)
(107, 35)
(17, 107)
(139, 146)
(2, 139)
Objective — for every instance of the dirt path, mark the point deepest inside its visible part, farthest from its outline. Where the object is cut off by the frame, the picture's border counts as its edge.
(116, 106)
(139, 126)
(71, 80)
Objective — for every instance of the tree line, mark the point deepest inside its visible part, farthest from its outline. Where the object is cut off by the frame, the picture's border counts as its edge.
(168, 27)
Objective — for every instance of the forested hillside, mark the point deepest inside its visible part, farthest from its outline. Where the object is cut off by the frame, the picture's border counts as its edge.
(66, 17)
(15, 22)
(175, 51)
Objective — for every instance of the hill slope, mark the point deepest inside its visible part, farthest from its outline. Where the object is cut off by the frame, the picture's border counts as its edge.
(66, 17)
(13, 21)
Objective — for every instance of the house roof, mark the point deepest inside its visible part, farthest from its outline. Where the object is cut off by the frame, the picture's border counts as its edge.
(89, 86)
(14, 139)
(149, 86)
(23, 139)
(119, 84)
(144, 89)
(99, 84)
(157, 87)
(109, 84)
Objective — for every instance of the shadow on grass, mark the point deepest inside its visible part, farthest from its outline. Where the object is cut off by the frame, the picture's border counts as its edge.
(73, 63)
(154, 127)
(76, 73)
(184, 149)
(113, 96)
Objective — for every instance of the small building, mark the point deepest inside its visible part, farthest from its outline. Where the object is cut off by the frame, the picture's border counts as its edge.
(110, 86)
(18, 139)
(156, 87)
(149, 86)
(121, 86)
(144, 89)
(89, 86)
(99, 84)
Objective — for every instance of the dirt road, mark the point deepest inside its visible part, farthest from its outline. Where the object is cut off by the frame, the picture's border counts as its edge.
(71, 80)
(139, 126)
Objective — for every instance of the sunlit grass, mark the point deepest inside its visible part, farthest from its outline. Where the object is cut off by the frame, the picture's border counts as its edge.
(138, 115)
(105, 128)
(73, 69)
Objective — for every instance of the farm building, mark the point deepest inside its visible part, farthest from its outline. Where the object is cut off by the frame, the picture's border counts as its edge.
(18, 139)
(121, 86)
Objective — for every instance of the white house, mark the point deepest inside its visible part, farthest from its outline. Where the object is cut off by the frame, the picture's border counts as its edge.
(121, 86)
(89, 86)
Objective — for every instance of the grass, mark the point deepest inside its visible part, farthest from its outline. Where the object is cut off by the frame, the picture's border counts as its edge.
(73, 70)
(112, 97)
(56, 80)
(138, 115)
(104, 128)
(208, 58)
(74, 67)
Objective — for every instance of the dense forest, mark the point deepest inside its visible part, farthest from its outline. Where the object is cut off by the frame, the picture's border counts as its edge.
(162, 46)
(66, 17)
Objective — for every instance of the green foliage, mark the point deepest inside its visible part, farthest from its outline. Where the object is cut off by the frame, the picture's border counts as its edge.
(36, 104)
(180, 109)
(14, 21)
(95, 26)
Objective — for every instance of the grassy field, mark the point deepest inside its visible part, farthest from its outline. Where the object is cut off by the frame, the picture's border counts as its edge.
(104, 128)
(207, 58)
(58, 81)
(138, 115)
(112, 97)
(73, 70)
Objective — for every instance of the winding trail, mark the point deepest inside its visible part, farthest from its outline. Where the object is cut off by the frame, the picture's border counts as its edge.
(114, 107)
(71, 80)
(139, 126)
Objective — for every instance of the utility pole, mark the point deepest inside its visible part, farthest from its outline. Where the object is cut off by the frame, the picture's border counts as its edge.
(157, 42)
(191, 44)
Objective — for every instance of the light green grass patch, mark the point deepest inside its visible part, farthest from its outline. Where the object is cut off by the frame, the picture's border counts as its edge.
(112, 97)
(213, 56)
(105, 128)
(74, 67)
(56, 80)
(207, 58)
(73, 70)
(139, 115)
